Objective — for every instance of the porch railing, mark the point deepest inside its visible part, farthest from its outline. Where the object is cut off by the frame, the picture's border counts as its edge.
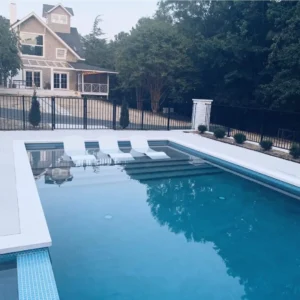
(93, 88)
(18, 84)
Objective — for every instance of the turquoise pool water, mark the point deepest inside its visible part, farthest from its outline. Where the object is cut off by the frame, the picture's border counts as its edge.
(8, 279)
(118, 235)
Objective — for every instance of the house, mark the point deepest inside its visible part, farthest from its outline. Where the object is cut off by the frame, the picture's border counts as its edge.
(53, 57)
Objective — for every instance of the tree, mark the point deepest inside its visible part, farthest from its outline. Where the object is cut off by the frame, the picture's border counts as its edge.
(150, 58)
(35, 113)
(124, 117)
(227, 44)
(97, 50)
(283, 65)
(10, 61)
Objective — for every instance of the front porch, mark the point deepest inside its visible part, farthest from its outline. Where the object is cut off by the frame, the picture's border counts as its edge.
(61, 84)
(52, 78)
(93, 83)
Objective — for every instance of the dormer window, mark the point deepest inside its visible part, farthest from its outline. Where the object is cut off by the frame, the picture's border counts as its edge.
(59, 19)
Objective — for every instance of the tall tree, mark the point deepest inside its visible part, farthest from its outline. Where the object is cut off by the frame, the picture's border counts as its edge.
(96, 48)
(283, 89)
(10, 61)
(150, 57)
(228, 45)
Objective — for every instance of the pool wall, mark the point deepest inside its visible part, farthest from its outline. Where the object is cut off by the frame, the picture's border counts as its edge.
(272, 182)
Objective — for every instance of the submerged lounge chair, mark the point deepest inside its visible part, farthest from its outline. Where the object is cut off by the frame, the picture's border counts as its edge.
(109, 146)
(140, 147)
(75, 149)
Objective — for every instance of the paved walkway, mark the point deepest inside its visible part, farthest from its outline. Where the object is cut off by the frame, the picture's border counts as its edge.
(68, 121)
(45, 104)
(21, 214)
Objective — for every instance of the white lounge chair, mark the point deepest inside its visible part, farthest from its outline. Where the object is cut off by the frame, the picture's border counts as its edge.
(109, 146)
(140, 147)
(75, 149)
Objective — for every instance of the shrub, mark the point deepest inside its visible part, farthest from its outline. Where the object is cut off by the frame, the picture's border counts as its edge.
(35, 112)
(202, 128)
(239, 138)
(266, 145)
(124, 117)
(219, 133)
(295, 151)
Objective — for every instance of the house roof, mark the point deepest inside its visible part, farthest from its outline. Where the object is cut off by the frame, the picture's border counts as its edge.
(48, 8)
(50, 30)
(85, 67)
(73, 40)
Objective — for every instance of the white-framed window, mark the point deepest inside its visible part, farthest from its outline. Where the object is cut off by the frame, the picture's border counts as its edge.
(61, 80)
(32, 44)
(33, 78)
(59, 19)
(61, 53)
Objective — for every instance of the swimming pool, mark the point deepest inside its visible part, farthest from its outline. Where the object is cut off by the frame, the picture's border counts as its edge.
(178, 230)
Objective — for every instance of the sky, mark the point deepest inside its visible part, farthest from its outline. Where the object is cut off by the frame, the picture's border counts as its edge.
(116, 15)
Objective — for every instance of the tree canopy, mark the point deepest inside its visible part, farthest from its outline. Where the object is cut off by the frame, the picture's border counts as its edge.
(235, 52)
(10, 61)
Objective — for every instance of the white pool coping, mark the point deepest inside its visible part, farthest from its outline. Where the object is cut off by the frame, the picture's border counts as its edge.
(22, 222)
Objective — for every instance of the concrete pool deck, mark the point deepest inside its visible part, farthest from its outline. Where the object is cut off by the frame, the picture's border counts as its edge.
(22, 222)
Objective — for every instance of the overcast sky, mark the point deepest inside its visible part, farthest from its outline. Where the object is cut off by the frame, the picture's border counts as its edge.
(117, 15)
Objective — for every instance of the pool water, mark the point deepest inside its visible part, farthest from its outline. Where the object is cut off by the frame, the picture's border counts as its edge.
(8, 280)
(208, 236)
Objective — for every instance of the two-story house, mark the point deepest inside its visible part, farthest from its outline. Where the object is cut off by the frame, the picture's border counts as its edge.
(53, 58)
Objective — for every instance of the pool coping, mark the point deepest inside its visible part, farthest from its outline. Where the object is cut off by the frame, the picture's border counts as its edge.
(270, 173)
(34, 231)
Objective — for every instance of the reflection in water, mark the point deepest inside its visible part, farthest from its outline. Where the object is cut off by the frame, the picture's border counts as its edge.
(58, 175)
(251, 227)
(255, 232)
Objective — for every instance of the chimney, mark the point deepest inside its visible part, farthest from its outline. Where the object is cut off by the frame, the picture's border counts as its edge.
(13, 13)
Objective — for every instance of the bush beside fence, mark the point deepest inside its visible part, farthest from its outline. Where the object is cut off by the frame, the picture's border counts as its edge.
(282, 128)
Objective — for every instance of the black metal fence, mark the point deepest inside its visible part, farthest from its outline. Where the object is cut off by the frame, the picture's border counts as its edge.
(86, 113)
(283, 128)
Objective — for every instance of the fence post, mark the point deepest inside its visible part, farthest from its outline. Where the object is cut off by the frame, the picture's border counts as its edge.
(85, 112)
(53, 112)
(228, 131)
(262, 125)
(169, 114)
(23, 104)
(114, 114)
(142, 121)
(201, 113)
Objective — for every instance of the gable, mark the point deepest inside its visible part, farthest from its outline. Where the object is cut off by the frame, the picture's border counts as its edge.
(60, 11)
(48, 8)
(32, 25)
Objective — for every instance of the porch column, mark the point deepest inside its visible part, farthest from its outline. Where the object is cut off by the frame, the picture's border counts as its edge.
(107, 85)
(52, 79)
(201, 113)
(82, 82)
